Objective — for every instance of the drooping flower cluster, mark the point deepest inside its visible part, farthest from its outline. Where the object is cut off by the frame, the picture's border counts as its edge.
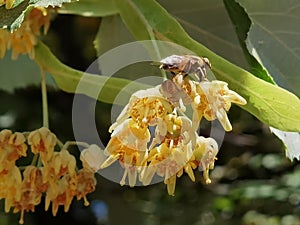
(55, 177)
(8, 3)
(23, 40)
(175, 147)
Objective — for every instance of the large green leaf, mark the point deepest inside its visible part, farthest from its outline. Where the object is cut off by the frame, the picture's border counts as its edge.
(68, 79)
(271, 104)
(274, 39)
(112, 33)
(90, 8)
(208, 23)
(242, 23)
(18, 73)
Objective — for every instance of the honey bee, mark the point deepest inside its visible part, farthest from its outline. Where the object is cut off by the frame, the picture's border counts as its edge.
(174, 93)
(186, 64)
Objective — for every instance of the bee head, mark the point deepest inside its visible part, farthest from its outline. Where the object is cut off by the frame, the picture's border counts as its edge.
(207, 62)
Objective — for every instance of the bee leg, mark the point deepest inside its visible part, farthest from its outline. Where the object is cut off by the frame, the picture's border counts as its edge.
(201, 75)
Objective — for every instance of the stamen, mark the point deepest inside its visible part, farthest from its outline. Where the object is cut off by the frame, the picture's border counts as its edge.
(123, 182)
(86, 202)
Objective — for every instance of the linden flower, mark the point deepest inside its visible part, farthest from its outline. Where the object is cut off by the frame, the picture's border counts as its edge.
(62, 194)
(42, 141)
(175, 136)
(128, 144)
(39, 17)
(215, 100)
(92, 157)
(10, 183)
(61, 163)
(8, 3)
(175, 129)
(23, 40)
(167, 162)
(144, 107)
(86, 183)
(12, 147)
(31, 189)
(205, 155)
(33, 179)
(4, 39)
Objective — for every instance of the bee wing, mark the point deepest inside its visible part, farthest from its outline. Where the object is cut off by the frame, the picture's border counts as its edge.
(174, 93)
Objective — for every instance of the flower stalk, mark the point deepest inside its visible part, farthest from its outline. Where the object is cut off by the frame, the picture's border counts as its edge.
(44, 98)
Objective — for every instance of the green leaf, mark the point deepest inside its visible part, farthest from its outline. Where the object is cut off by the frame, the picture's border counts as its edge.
(90, 8)
(12, 19)
(215, 32)
(271, 104)
(242, 23)
(291, 140)
(68, 79)
(135, 20)
(18, 73)
(274, 39)
(112, 33)
(47, 3)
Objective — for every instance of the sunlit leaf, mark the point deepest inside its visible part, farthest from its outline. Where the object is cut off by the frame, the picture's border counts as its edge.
(271, 104)
(93, 8)
(215, 32)
(242, 23)
(291, 141)
(47, 3)
(274, 39)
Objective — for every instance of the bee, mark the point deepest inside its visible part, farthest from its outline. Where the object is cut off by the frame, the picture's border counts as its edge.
(174, 93)
(186, 64)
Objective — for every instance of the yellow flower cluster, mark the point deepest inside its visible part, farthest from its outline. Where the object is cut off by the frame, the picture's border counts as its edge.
(23, 40)
(175, 146)
(8, 3)
(55, 176)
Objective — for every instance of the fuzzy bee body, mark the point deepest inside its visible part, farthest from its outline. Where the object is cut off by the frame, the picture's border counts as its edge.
(186, 64)
(174, 93)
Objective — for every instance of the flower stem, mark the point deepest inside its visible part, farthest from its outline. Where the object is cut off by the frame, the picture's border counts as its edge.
(78, 143)
(44, 99)
(35, 160)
